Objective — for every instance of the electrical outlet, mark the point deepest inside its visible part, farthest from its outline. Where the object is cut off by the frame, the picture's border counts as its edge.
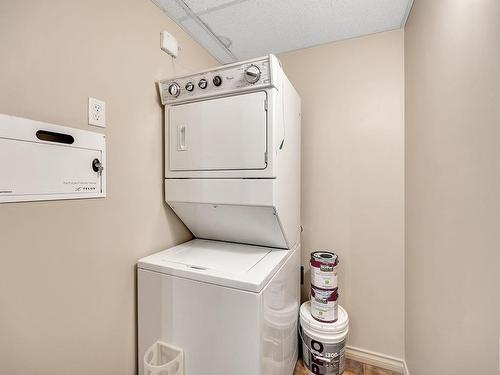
(97, 112)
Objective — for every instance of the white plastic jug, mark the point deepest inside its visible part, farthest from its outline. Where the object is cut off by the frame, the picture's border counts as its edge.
(163, 359)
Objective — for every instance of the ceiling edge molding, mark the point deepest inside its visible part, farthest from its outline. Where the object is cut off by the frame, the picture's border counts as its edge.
(407, 13)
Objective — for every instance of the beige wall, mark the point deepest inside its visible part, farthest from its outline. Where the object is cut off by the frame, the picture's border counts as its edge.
(452, 53)
(67, 292)
(353, 178)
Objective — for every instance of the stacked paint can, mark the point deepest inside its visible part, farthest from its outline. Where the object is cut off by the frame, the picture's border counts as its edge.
(323, 323)
(324, 286)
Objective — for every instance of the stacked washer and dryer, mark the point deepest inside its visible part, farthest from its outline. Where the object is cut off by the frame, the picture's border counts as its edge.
(229, 298)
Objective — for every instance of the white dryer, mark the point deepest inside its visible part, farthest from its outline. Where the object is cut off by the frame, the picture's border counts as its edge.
(229, 298)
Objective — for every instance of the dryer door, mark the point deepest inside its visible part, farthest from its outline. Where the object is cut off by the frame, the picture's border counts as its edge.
(219, 134)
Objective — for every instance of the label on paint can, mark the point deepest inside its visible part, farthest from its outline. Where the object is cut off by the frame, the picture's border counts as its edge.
(324, 270)
(333, 353)
(324, 305)
(324, 279)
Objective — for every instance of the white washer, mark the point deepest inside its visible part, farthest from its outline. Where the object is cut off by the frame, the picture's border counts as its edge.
(232, 173)
(232, 308)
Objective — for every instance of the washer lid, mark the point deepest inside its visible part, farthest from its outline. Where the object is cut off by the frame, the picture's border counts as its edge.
(238, 266)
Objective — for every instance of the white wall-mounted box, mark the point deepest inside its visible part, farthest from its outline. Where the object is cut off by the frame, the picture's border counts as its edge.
(41, 161)
(168, 43)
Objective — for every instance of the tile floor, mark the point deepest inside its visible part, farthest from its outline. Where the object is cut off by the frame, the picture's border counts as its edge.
(352, 368)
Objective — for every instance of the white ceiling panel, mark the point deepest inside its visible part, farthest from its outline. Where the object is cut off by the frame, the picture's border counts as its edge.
(239, 29)
(172, 8)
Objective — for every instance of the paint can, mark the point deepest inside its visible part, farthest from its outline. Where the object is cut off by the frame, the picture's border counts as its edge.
(324, 269)
(324, 305)
(323, 344)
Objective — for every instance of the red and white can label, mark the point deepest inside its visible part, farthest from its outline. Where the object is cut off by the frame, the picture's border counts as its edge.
(324, 305)
(326, 279)
(324, 270)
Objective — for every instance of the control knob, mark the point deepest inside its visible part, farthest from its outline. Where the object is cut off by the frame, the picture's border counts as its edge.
(203, 83)
(189, 86)
(174, 89)
(217, 80)
(252, 74)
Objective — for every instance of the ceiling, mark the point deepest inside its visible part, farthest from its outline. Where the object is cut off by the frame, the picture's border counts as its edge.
(233, 30)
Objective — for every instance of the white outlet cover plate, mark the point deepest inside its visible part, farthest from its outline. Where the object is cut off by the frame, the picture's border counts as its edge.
(97, 112)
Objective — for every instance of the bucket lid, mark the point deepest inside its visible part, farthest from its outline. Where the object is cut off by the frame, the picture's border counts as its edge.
(308, 322)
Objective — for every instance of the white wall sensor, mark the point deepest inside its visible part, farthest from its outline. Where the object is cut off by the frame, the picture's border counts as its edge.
(168, 43)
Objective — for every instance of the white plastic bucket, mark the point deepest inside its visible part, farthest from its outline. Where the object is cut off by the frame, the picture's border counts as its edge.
(323, 344)
(324, 266)
(324, 305)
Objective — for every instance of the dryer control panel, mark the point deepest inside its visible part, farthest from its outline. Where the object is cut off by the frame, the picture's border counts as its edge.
(247, 76)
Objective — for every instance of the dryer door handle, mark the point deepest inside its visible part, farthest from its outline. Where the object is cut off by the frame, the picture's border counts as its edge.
(182, 137)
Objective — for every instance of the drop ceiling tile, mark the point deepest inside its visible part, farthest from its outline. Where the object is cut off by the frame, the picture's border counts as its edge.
(198, 6)
(288, 25)
(214, 45)
(240, 29)
(172, 8)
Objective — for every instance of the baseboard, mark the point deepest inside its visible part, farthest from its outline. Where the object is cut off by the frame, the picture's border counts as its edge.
(377, 359)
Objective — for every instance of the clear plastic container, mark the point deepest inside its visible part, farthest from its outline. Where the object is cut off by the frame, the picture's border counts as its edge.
(163, 359)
